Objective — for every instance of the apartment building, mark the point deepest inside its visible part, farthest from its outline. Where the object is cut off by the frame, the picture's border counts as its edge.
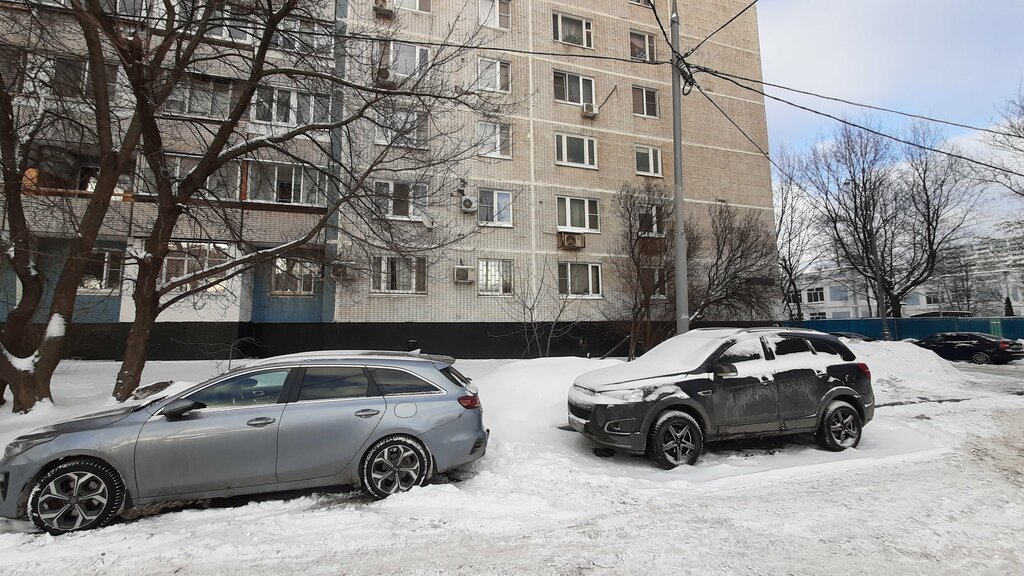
(587, 112)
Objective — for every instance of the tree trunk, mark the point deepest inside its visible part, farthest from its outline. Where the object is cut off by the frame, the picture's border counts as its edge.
(147, 307)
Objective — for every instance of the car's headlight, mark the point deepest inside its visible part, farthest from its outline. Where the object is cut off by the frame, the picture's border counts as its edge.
(20, 445)
(630, 396)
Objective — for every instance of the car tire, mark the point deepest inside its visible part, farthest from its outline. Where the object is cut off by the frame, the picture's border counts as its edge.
(675, 439)
(76, 495)
(981, 358)
(841, 427)
(394, 464)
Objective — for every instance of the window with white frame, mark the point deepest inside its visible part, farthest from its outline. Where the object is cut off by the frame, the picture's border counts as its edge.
(496, 14)
(402, 128)
(495, 75)
(223, 184)
(572, 30)
(815, 295)
(286, 183)
(641, 46)
(495, 139)
(578, 214)
(303, 36)
(102, 272)
(129, 8)
(406, 60)
(652, 221)
(417, 5)
(400, 199)
(274, 105)
(648, 160)
(185, 259)
(578, 279)
(71, 77)
(653, 281)
(817, 315)
(398, 275)
(200, 96)
(838, 293)
(573, 88)
(645, 102)
(312, 108)
(293, 277)
(495, 207)
(494, 277)
(575, 150)
(224, 23)
(931, 298)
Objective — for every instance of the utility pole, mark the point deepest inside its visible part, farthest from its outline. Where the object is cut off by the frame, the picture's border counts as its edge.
(682, 302)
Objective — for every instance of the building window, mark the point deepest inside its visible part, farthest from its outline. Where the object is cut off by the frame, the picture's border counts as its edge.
(401, 200)
(817, 315)
(405, 60)
(187, 258)
(578, 214)
(496, 14)
(292, 277)
(399, 275)
(130, 8)
(645, 102)
(912, 300)
(404, 129)
(815, 295)
(571, 30)
(286, 184)
(495, 140)
(652, 221)
(648, 160)
(303, 36)
(225, 22)
(654, 282)
(838, 293)
(417, 5)
(223, 184)
(794, 298)
(102, 272)
(931, 298)
(641, 46)
(494, 277)
(579, 279)
(206, 97)
(495, 75)
(12, 67)
(273, 105)
(573, 88)
(576, 150)
(495, 207)
(72, 78)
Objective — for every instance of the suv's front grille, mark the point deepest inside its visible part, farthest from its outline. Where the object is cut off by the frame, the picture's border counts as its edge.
(580, 412)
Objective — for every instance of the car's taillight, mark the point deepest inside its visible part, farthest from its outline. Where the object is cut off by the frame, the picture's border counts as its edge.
(470, 401)
(864, 368)
(1004, 345)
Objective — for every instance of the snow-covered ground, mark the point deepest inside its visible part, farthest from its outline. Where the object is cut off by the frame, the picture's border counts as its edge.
(934, 488)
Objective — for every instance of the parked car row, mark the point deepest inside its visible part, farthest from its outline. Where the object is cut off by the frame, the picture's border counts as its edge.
(390, 421)
(976, 347)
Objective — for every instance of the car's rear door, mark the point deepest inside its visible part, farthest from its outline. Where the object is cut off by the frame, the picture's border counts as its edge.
(231, 443)
(332, 413)
(748, 401)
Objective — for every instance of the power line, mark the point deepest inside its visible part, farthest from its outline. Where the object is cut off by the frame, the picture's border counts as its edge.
(717, 30)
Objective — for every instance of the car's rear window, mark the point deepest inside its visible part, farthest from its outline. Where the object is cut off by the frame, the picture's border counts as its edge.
(392, 381)
(832, 348)
(455, 376)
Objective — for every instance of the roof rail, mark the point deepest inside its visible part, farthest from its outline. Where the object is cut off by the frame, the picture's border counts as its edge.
(334, 354)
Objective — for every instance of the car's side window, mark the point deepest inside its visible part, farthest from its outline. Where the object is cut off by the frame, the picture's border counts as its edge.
(243, 390)
(788, 347)
(747, 350)
(333, 382)
(392, 381)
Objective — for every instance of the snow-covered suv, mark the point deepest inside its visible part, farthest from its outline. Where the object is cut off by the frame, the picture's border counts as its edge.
(720, 383)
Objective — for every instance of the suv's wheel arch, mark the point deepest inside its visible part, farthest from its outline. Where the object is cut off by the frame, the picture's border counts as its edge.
(694, 410)
(845, 394)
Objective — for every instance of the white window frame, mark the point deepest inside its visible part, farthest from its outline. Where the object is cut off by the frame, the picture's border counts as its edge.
(379, 272)
(299, 184)
(932, 298)
(185, 93)
(654, 159)
(817, 315)
(657, 221)
(647, 113)
(387, 136)
(591, 214)
(277, 96)
(586, 26)
(650, 51)
(384, 191)
(105, 280)
(495, 140)
(499, 218)
(591, 268)
(177, 174)
(422, 57)
(582, 81)
(303, 271)
(303, 36)
(502, 271)
(589, 151)
(119, 8)
(498, 65)
(224, 15)
(419, 5)
(816, 295)
(199, 264)
(491, 14)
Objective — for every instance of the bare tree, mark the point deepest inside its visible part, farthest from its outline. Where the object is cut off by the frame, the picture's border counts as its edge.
(799, 243)
(890, 212)
(544, 307)
(1007, 144)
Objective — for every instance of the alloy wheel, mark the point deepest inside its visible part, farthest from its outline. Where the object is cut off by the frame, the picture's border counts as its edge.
(844, 428)
(73, 500)
(395, 469)
(677, 442)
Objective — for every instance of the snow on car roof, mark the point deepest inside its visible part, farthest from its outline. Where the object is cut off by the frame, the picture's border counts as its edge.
(348, 354)
(676, 355)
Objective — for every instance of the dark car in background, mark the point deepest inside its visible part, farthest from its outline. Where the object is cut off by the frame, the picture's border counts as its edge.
(721, 383)
(976, 347)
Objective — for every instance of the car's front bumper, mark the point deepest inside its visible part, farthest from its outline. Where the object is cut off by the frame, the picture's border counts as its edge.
(616, 426)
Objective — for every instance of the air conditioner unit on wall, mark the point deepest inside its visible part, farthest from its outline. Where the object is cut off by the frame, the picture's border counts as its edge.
(589, 111)
(469, 204)
(571, 241)
(465, 274)
(385, 79)
(384, 8)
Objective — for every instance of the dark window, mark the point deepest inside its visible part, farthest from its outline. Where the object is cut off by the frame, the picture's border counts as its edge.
(455, 376)
(328, 383)
(833, 349)
(784, 346)
(244, 390)
(743, 351)
(399, 382)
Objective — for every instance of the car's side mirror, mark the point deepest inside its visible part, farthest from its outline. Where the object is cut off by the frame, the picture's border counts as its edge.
(724, 370)
(180, 406)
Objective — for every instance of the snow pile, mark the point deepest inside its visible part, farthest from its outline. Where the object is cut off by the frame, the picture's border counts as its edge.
(905, 371)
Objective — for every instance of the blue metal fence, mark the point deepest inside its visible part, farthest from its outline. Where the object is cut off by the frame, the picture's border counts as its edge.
(1009, 327)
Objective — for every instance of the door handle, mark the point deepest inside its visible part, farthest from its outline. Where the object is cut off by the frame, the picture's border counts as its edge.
(367, 413)
(260, 422)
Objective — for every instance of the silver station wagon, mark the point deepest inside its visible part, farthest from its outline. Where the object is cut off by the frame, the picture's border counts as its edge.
(388, 421)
